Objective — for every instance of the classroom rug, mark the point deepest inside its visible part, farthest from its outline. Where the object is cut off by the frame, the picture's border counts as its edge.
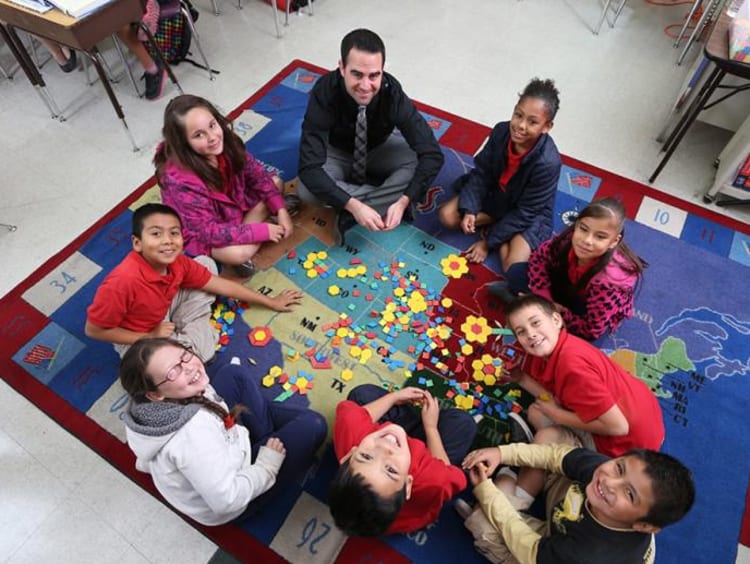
(404, 307)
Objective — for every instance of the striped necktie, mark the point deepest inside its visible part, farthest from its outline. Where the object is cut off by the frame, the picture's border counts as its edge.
(359, 161)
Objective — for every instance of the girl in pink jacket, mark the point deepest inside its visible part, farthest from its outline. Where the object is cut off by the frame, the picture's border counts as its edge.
(224, 196)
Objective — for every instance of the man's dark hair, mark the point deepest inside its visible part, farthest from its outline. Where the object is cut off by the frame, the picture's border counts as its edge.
(357, 509)
(546, 91)
(147, 210)
(672, 486)
(363, 40)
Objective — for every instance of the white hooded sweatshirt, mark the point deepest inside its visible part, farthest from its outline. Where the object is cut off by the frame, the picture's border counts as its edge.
(203, 469)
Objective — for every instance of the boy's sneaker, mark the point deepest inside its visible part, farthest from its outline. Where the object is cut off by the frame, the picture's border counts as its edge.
(520, 432)
(244, 270)
(154, 82)
(344, 222)
(500, 290)
(292, 203)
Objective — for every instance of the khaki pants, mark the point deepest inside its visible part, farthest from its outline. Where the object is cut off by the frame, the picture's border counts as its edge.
(489, 542)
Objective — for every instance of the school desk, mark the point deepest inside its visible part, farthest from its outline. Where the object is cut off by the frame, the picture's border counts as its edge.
(82, 34)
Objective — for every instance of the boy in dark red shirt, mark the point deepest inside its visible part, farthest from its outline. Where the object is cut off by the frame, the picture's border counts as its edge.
(397, 467)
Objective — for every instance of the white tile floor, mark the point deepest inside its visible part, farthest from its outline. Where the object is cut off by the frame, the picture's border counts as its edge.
(60, 502)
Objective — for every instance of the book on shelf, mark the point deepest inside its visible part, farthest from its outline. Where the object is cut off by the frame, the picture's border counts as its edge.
(742, 180)
(40, 6)
(79, 8)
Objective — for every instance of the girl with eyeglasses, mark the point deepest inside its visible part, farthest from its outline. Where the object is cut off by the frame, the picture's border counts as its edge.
(216, 451)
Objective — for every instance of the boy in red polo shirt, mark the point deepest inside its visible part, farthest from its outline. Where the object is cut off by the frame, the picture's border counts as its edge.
(156, 291)
(397, 467)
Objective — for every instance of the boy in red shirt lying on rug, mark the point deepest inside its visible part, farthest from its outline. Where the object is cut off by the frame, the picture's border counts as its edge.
(156, 291)
(397, 467)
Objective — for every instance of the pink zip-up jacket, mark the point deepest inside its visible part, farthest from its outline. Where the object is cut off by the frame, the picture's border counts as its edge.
(211, 219)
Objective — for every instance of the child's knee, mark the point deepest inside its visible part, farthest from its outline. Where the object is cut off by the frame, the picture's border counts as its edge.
(555, 434)
(365, 393)
(449, 216)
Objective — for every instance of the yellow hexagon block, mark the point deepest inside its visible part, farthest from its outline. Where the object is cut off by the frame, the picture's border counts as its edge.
(346, 375)
(268, 380)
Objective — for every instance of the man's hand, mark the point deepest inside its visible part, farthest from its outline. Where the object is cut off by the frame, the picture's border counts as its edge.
(285, 300)
(366, 216)
(468, 223)
(395, 212)
(164, 329)
(487, 458)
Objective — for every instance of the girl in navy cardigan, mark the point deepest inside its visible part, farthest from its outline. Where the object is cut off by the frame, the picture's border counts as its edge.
(510, 194)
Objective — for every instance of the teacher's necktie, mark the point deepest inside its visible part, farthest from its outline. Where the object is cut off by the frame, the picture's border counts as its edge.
(359, 161)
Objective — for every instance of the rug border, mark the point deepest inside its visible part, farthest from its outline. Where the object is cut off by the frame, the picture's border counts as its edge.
(229, 538)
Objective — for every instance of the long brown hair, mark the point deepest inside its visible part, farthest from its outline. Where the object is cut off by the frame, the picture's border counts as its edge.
(605, 208)
(176, 148)
(137, 382)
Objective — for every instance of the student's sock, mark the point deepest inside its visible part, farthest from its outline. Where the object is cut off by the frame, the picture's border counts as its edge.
(523, 499)
(518, 277)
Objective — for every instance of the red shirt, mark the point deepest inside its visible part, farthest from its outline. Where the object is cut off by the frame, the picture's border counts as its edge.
(576, 272)
(136, 297)
(435, 482)
(585, 380)
(514, 161)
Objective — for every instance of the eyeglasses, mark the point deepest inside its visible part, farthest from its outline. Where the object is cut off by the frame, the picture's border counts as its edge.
(176, 371)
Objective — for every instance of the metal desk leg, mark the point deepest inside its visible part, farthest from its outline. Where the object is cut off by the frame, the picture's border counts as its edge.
(604, 16)
(685, 25)
(96, 60)
(191, 25)
(125, 64)
(32, 73)
(4, 73)
(708, 15)
(275, 8)
(687, 120)
(159, 55)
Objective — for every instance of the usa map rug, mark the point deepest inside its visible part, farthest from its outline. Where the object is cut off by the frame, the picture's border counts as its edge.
(404, 306)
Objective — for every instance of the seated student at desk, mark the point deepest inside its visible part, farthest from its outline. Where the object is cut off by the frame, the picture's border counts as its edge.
(154, 73)
(67, 62)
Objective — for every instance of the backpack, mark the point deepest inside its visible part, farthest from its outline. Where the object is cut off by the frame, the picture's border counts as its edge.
(173, 38)
(173, 35)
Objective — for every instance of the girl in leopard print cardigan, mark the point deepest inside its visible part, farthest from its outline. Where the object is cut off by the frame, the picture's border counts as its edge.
(589, 271)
